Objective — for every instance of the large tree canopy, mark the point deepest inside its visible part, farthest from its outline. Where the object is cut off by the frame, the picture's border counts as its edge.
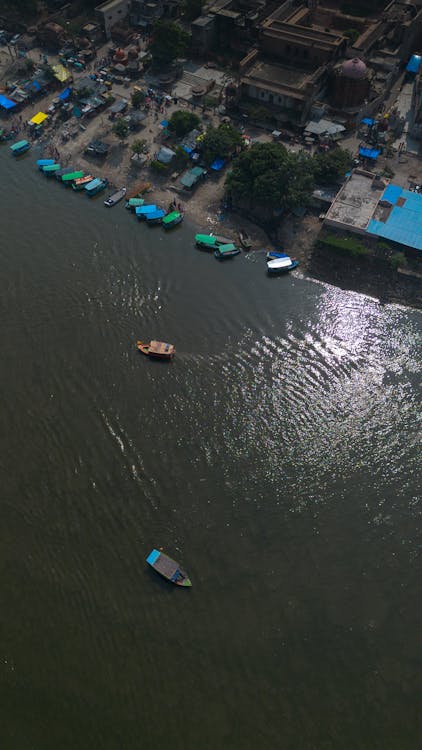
(332, 166)
(182, 121)
(268, 175)
(220, 142)
(169, 41)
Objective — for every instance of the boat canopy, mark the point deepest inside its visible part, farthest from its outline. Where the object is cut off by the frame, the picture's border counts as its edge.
(280, 263)
(142, 210)
(158, 214)
(51, 168)
(84, 180)
(44, 162)
(17, 146)
(135, 202)
(171, 217)
(153, 556)
(206, 239)
(93, 184)
(70, 176)
(223, 249)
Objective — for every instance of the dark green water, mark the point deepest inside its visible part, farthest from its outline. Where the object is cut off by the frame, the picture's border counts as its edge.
(277, 458)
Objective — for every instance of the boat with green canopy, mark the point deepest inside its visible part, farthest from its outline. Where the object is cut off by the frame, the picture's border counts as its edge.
(50, 169)
(134, 203)
(20, 147)
(172, 219)
(70, 176)
(206, 241)
(223, 252)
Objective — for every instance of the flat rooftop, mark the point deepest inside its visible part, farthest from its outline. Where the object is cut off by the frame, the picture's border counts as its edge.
(277, 75)
(109, 5)
(400, 218)
(356, 202)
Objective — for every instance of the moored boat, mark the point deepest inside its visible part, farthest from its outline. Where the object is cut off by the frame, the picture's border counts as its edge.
(69, 178)
(142, 211)
(172, 219)
(168, 568)
(80, 182)
(206, 241)
(221, 240)
(134, 203)
(95, 186)
(115, 197)
(272, 254)
(44, 163)
(65, 170)
(244, 239)
(20, 147)
(224, 252)
(50, 169)
(281, 265)
(157, 349)
(155, 217)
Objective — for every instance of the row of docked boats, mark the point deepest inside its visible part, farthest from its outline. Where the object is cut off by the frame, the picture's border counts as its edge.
(222, 247)
(74, 178)
(153, 214)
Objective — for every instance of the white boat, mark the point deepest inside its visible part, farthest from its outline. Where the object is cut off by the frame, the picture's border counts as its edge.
(115, 197)
(281, 265)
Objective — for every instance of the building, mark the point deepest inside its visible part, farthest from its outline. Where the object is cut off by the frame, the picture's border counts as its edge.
(349, 84)
(111, 13)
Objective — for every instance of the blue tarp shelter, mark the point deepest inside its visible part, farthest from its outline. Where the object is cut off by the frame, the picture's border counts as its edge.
(217, 164)
(164, 123)
(65, 94)
(369, 153)
(368, 121)
(404, 222)
(414, 64)
(6, 103)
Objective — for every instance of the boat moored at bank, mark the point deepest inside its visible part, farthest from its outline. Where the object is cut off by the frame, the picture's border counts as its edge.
(142, 211)
(224, 252)
(20, 147)
(155, 217)
(115, 197)
(172, 219)
(133, 203)
(95, 186)
(50, 169)
(44, 163)
(80, 183)
(206, 241)
(278, 266)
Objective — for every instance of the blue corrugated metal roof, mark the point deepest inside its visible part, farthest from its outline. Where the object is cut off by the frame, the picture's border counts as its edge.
(369, 153)
(6, 103)
(414, 64)
(404, 223)
(392, 193)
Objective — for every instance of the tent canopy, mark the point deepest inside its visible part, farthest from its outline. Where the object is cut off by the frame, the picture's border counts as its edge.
(6, 103)
(38, 118)
(414, 64)
(369, 153)
(65, 94)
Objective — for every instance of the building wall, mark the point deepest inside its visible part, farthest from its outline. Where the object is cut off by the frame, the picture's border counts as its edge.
(112, 13)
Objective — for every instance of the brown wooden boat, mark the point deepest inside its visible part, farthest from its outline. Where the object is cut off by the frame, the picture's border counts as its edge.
(245, 240)
(157, 349)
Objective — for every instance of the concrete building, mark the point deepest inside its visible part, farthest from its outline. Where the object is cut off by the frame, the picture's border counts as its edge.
(111, 13)
(349, 84)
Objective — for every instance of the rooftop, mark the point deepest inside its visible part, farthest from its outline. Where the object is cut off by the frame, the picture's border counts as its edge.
(356, 202)
(399, 218)
(277, 76)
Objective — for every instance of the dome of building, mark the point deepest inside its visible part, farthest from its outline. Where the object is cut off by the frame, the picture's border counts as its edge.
(354, 69)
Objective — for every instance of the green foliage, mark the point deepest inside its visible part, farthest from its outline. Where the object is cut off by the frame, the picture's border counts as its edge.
(192, 9)
(169, 41)
(344, 245)
(158, 166)
(398, 260)
(331, 166)
(21, 9)
(137, 99)
(182, 121)
(121, 129)
(138, 146)
(220, 142)
(268, 175)
(181, 159)
(352, 34)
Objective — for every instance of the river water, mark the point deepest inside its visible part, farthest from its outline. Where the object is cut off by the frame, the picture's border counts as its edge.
(276, 458)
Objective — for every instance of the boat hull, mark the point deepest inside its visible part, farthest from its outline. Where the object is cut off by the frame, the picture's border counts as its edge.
(146, 349)
(173, 223)
(226, 256)
(114, 199)
(281, 271)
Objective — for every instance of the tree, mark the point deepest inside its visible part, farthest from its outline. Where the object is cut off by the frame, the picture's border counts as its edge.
(331, 167)
(169, 41)
(182, 122)
(192, 9)
(268, 176)
(137, 99)
(121, 129)
(220, 142)
(138, 147)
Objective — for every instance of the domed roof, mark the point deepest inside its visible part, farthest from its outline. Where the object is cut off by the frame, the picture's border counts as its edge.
(354, 68)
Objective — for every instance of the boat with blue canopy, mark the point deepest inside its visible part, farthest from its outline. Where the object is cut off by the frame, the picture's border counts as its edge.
(44, 163)
(223, 252)
(168, 568)
(278, 266)
(276, 254)
(142, 211)
(50, 169)
(155, 217)
(20, 147)
(172, 219)
(133, 203)
(96, 186)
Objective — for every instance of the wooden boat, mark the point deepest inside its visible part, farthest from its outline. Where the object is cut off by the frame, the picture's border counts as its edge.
(115, 197)
(244, 239)
(155, 217)
(221, 240)
(223, 252)
(281, 265)
(134, 203)
(172, 219)
(44, 163)
(70, 177)
(142, 211)
(168, 568)
(80, 182)
(95, 186)
(20, 147)
(157, 349)
(50, 169)
(65, 170)
(206, 241)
